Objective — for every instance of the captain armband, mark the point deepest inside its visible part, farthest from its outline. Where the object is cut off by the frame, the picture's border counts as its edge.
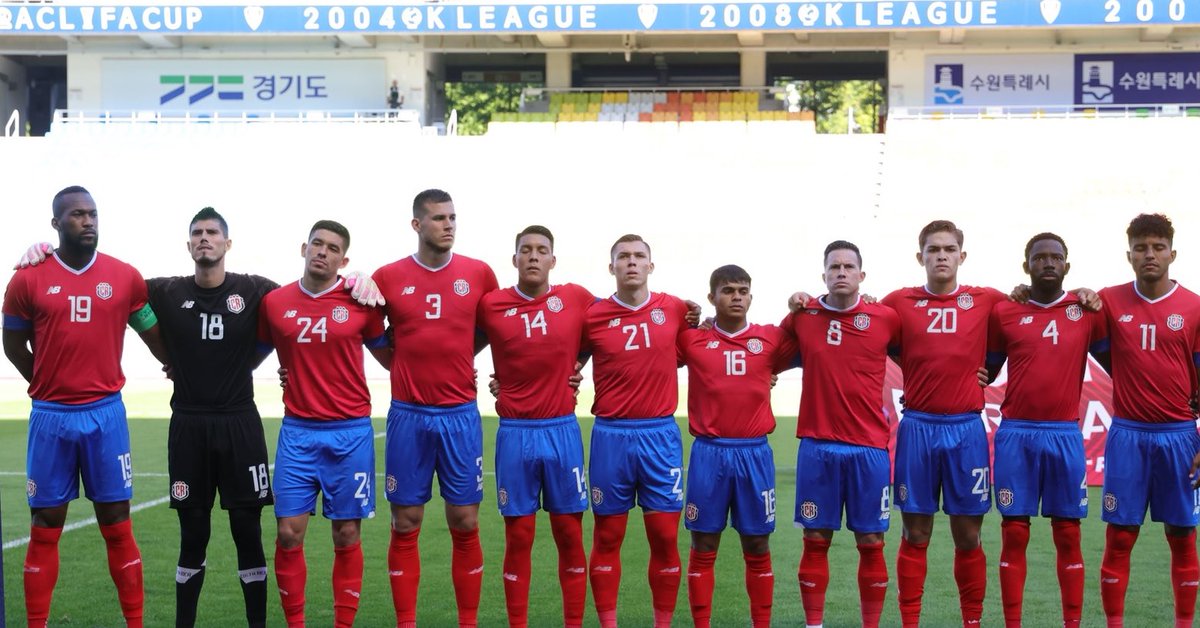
(143, 319)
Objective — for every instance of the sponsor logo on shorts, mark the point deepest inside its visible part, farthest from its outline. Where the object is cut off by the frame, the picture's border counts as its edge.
(1004, 497)
(461, 287)
(502, 497)
(1074, 312)
(901, 492)
(965, 301)
(657, 316)
(340, 314)
(235, 303)
(614, 322)
(104, 290)
(692, 512)
(30, 488)
(1110, 502)
(862, 321)
(808, 510)
(597, 495)
(554, 304)
(754, 345)
(180, 491)
(391, 483)
(1175, 322)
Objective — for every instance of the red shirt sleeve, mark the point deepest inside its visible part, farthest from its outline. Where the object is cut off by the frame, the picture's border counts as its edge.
(138, 291)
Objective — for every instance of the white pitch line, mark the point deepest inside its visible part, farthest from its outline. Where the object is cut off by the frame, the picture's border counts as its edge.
(136, 475)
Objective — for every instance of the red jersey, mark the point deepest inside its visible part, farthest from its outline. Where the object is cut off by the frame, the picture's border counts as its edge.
(844, 354)
(1046, 346)
(634, 361)
(729, 379)
(320, 338)
(432, 314)
(535, 344)
(78, 319)
(943, 344)
(1155, 348)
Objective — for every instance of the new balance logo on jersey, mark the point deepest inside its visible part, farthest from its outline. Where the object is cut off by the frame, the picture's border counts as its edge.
(510, 312)
(187, 305)
(1026, 320)
(408, 290)
(922, 303)
(616, 322)
(54, 290)
(289, 314)
(713, 344)
(1125, 318)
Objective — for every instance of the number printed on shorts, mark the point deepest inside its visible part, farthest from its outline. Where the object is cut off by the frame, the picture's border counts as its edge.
(364, 487)
(945, 320)
(126, 465)
(768, 497)
(982, 487)
(579, 483)
(885, 503)
(259, 478)
(479, 474)
(677, 489)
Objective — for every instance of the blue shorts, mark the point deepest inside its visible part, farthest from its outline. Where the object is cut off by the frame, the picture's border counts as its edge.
(335, 458)
(66, 442)
(424, 439)
(731, 478)
(636, 456)
(539, 463)
(1147, 464)
(946, 455)
(1040, 461)
(831, 475)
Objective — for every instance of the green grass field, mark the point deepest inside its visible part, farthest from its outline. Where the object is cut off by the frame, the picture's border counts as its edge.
(85, 594)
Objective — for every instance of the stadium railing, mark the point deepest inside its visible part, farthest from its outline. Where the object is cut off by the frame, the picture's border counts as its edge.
(1045, 111)
(67, 120)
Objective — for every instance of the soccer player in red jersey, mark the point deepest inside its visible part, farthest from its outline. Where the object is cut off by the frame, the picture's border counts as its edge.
(64, 330)
(433, 423)
(731, 473)
(636, 449)
(1153, 351)
(941, 444)
(1039, 449)
(842, 460)
(326, 443)
(535, 330)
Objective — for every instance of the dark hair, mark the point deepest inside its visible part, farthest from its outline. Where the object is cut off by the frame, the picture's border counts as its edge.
(1044, 236)
(1151, 225)
(534, 230)
(429, 197)
(938, 226)
(57, 205)
(842, 245)
(336, 227)
(209, 213)
(628, 237)
(728, 273)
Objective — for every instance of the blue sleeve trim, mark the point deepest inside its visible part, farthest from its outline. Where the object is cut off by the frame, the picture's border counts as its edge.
(1196, 358)
(16, 323)
(1101, 346)
(265, 347)
(996, 357)
(796, 363)
(378, 342)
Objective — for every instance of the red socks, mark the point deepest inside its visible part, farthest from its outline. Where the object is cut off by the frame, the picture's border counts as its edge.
(1070, 570)
(760, 585)
(404, 572)
(466, 569)
(662, 531)
(347, 583)
(814, 579)
(970, 572)
(1014, 538)
(291, 572)
(872, 582)
(518, 544)
(572, 565)
(125, 567)
(1185, 576)
(41, 573)
(910, 580)
(1114, 572)
(605, 565)
(700, 583)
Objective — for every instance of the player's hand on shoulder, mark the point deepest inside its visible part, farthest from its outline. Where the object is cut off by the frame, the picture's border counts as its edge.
(693, 314)
(868, 299)
(798, 301)
(707, 323)
(34, 255)
(1019, 294)
(364, 289)
(283, 377)
(1089, 299)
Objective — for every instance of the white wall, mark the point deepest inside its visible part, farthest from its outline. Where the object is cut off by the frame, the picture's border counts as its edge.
(13, 99)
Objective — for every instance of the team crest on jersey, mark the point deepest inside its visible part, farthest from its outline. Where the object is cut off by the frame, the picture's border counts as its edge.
(657, 316)
(104, 290)
(902, 492)
(597, 496)
(692, 512)
(180, 491)
(862, 321)
(1175, 322)
(965, 301)
(502, 497)
(30, 488)
(390, 484)
(340, 314)
(808, 510)
(1074, 312)
(461, 287)
(1004, 497)
(616, 322)
(1110, 502)
(235, 303)
(754, 345)
(554, 304)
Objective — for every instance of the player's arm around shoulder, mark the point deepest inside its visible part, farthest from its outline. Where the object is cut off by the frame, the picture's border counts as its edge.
(18, 325)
